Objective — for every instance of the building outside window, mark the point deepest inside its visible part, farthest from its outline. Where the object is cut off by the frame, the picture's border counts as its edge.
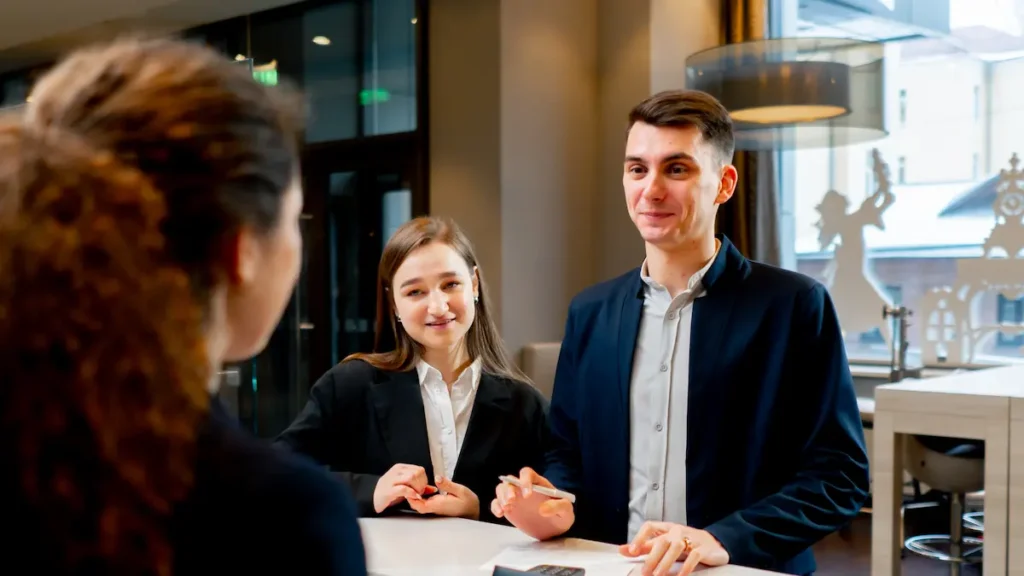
(1010, 313)
(903, 106)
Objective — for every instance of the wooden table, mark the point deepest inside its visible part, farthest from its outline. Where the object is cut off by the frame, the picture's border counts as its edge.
(973, 405)
(415, 546)
(867, 418)
(1016, 531)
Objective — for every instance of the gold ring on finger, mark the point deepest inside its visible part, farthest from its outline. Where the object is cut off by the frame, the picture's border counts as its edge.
(687, 545)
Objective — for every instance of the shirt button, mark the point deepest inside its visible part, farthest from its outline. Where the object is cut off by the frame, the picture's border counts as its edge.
(664, 368)
(656, 486)
(671, 315)
(657, 427)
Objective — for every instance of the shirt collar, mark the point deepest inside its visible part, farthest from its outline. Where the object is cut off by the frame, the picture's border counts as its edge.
(426, 371)
(694, 279)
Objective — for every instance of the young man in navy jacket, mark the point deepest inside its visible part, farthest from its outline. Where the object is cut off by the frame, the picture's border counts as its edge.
(703, 408)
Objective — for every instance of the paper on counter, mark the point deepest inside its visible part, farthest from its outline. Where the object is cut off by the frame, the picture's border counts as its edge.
(594, 557)
(426, 570)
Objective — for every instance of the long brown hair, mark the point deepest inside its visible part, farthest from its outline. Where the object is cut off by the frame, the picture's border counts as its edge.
(119, 186)
(394, 349)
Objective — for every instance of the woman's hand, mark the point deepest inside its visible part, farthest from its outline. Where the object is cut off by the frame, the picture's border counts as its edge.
(401, 482)
(454, 500)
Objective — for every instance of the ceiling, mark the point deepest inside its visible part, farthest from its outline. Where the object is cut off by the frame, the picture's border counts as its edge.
(36, 31)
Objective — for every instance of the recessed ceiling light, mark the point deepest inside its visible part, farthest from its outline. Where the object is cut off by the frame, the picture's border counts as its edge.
(321, 40)
(239, 57)
(414, 20)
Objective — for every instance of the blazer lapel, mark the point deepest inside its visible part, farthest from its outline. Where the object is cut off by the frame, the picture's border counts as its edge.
(486, 423)
(711, 319)
(712, 314)
(629, 326)
(399, 406)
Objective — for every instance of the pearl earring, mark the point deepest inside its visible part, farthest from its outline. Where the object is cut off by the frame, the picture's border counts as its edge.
(476, 298)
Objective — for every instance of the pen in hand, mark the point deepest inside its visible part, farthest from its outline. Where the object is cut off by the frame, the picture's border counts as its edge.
(550, 492)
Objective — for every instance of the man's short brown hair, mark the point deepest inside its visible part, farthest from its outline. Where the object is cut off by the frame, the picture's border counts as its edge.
(682, 108)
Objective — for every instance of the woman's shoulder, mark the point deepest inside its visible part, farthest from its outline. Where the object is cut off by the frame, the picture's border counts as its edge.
(352, 373)
(523, 391)
(230, 454)
(354, 379)
(302, 503)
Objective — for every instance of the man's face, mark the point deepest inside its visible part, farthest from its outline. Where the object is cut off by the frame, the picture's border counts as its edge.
(674, 183)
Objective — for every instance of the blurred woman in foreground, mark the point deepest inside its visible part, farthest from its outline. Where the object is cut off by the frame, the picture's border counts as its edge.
(149, 232)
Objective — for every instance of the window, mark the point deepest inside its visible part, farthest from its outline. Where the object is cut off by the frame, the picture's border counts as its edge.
(869, 174)
(932, 230)
(15, 86)
(227, 37)
(13, 91)
(1010, 313)
(355, 61)
(875, 338)
(903, 107)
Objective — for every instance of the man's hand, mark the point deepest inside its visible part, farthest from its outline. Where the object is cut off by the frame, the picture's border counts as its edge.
(538, 516)
(401, 482)
(665, 544)
(454, 500)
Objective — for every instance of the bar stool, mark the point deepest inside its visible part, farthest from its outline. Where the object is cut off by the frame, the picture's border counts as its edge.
(957, 467)
(975, 521)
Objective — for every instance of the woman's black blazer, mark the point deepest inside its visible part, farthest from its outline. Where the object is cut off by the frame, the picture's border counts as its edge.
(360, 421)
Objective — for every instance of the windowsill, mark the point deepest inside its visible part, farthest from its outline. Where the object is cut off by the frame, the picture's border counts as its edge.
(882, 372)
(875, 368)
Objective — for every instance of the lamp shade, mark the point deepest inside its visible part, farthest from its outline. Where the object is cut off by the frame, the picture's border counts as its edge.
(796, 92)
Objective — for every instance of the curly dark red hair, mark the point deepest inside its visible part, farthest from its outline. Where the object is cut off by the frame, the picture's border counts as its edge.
(119, 185)
(100, 345)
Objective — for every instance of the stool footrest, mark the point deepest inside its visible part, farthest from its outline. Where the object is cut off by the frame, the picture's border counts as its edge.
(939, 547)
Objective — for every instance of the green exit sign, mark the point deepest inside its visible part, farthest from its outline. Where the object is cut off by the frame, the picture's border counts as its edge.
(268, 77)
(374, 96)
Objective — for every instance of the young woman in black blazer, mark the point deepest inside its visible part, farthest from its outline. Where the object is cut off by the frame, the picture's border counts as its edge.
(431, 419)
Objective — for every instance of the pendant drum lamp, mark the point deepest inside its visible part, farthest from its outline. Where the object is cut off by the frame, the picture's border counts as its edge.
(787, 93)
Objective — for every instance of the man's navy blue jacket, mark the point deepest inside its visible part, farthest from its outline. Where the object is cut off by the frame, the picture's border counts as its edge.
(775, 454)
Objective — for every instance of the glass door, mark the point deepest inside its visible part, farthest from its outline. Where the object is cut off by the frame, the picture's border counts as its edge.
(356, 195)
(361, 198)
(267, 391)
(364, 209)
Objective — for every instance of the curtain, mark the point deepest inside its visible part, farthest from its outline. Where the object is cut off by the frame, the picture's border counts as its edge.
(751, 218)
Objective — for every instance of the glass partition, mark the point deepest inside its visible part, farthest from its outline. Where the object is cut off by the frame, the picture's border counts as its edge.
(355, 60)
(358, 64)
